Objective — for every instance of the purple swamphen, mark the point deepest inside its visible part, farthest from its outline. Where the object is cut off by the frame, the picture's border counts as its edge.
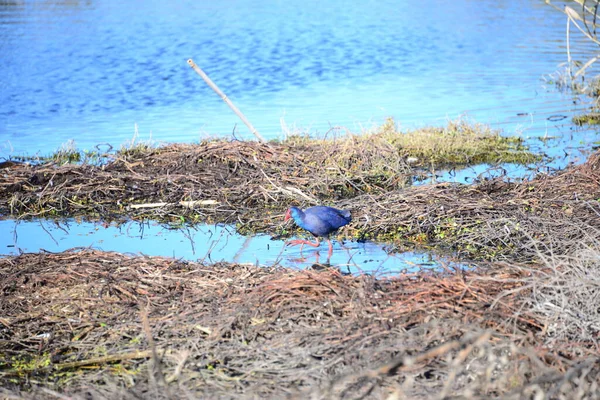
(321, 221)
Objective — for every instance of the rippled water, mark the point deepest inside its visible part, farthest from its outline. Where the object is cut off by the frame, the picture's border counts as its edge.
(91, 70)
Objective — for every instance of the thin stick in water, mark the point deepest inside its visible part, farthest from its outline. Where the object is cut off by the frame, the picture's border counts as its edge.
(214, 87)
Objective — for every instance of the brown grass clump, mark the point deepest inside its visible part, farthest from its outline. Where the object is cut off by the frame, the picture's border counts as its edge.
(225, 181)
(567, 294)
(251, 184)
(95, 325)
(216, 180)
(492, 219)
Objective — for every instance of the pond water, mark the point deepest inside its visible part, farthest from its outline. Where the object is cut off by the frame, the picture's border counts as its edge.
(93, 71)
(208, 243)
(90, 70)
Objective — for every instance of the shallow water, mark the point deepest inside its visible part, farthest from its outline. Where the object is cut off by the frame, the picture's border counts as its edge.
(92, 71)
(208, 243)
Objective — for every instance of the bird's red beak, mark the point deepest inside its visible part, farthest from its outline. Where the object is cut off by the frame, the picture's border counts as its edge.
(288, 215)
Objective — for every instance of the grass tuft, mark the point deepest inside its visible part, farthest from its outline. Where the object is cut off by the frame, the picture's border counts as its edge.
(458, 143)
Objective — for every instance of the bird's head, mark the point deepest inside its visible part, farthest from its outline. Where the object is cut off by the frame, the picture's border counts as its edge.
(290, 213)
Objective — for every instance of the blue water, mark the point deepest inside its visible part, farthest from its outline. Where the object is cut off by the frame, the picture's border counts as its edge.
(89, 71)
(100, 71)
(208, 243)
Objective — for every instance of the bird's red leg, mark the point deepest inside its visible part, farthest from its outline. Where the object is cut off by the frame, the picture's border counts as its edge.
(303, 242)
(330, 249)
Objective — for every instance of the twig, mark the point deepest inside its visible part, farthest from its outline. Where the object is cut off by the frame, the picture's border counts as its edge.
(187, 204)
(460, 358)
(218, 91)
(156, 361)
(183, 357)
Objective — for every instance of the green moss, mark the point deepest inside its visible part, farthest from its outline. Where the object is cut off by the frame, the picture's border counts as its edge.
(459, 143)
(587, 119)
(67, 154)
(25, 365)
(134, 149)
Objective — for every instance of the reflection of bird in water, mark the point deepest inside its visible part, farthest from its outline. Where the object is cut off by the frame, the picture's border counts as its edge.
(321, 221)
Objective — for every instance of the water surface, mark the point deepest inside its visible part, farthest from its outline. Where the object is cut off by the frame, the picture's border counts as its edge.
(207, 243)
(91, 70)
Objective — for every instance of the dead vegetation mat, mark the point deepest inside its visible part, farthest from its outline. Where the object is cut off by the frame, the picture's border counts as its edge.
(493, 219)
(223, 181)
(86, 324)
(250, 185)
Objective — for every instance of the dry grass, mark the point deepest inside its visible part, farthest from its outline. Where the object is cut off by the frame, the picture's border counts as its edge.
(235, 175)
(567, 295)
(251, 184)
(492, 220)
(580, 76)
(95, 325)
(240, 175)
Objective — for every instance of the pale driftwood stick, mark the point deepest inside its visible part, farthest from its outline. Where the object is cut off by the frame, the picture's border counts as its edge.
(188, 204)
(147, 205)
(214, 87)
(193, 203)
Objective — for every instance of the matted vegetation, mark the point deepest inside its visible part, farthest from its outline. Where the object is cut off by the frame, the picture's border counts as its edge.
(87, 324)
(592, 118)
(493, 219)
(95, 325)
(251, 184)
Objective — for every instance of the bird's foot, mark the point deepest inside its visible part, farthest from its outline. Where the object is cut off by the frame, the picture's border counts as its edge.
(300, 241)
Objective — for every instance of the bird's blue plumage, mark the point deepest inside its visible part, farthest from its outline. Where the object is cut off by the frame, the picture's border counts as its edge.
(320, 220)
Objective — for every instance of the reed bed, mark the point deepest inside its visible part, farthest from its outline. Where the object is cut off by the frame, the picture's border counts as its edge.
(250, 185)
(492, 219)
(85, 324)
(216, 180)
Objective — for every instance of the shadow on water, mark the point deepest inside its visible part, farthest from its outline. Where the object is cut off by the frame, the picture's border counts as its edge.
(206, 243)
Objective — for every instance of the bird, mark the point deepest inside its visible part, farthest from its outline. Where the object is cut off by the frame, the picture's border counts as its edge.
(321, 221)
